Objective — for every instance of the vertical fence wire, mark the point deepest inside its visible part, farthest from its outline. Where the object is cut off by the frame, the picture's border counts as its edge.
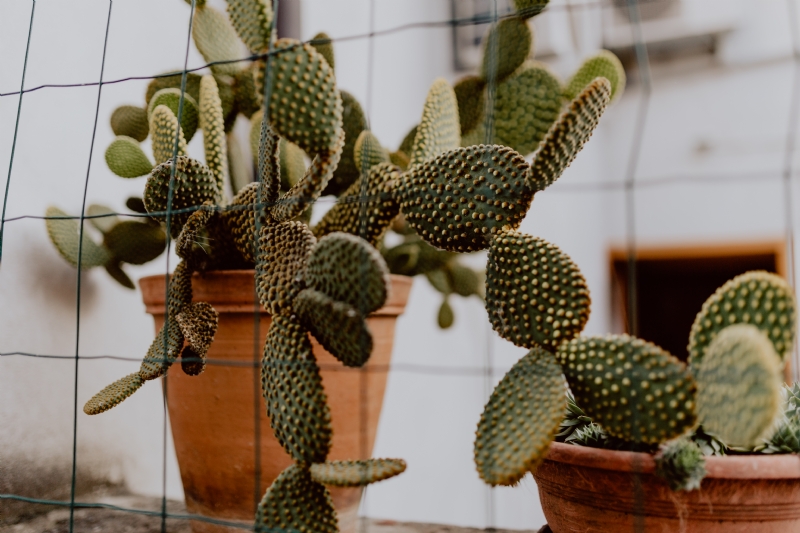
(81, 227)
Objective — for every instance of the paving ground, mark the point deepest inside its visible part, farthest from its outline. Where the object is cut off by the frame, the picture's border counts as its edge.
(108, 521)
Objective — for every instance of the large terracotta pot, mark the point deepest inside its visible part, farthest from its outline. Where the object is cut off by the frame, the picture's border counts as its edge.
(213, 415)
(588, 490)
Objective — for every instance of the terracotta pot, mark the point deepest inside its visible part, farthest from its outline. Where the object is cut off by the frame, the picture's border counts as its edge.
(588, 490)
(213, 415)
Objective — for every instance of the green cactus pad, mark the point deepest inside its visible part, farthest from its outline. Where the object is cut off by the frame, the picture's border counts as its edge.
(367, 216)
(172, 99)
(135, 242)
(322, 43)
(304, 106)
(157, 361)
(174, 81)
(681, 464)
(136, 205)
(192, 362)
(270, 151)
(163, 129)
(356, 473)
(239, 219)
(464, 280)
(353, 123)
(347, 269)
(114, 269)
(338, 327)
(102, 223)
(252, 20)
(296, 402)
(65, 236)
(113, 395)
(180, 289)
(471, 100)
(439, 129)
(505, 47)
(126, 158)
(284, 250)
(239, 166)
(416, 257)
(193, 185)
(530, 8)
(759, 298)
(634, 389)
(445, 317)
(130, 121)
(535, 294)
(399, 159)
(368, 151)
(526, 106)
(198, 323)
(460, 199)
(739, 386)
(604, 64)
(520, 419)
(213, 124)
(295, 502)
(244, 92)
(407, 144)
(306, 191)
(216, 40)
(292, 164)
(187, 246)
(568, 135)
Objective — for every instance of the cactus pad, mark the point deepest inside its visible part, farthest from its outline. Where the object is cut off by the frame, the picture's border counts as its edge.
(126, 158)
(216, 39)
(568, 135)
(188, 238)
(252, 20)
(520, 419)
(105, 217)
(213, 124)
(244, 92)
(65, 235)
(526, 106)
(634, 389)
(130, 121)
(171, 98)
(530, 8)
(353, 123)
(322, 43)
(164, 129)
(114, 270)
(505, 47)
(157, 361)
(347, 269)
(304, 106)
(135, 242)
(460, 199)
(368, 217)
(368, 151)
(759, 298)
(439, 129)
(296, 402)
(292, 164)
(283, 253)
(445, 316)
(338, 327)
(356, 473)
(535, 294)
(681, 464)
(295, 502)
(113, 395)
(604, 64)
(471, 101)
(739, 386)
(198, 323)
(174, 81)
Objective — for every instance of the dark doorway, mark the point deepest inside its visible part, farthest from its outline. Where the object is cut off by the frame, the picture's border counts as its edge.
(673, 282)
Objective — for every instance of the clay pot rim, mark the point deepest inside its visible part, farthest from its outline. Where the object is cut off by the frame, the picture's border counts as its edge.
(726, 467)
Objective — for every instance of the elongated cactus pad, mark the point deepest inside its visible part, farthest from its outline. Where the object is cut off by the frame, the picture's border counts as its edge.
(283, 254)
(460, 199)
(164, 129)
(368, 151)
(526, 106)
(439, 129)
(113, 395)
(187, 246)
(505, 47)
(130, 121)
(198, 323)
(295, 502)
(65, 236)
(304, 106)
(347, 269)
(322, 43)
(193, 185)
(114, 269)
(353, 123)
(266, 157)
(464, 280)
(604, 64)
(634, 389)
(356, 473)
(239, 219)
(535, 294)
(445, 316)
(681, 464)
(252, 20)
(759, 298)
(213, 124)
(739, 386)
(568, 135)
(471, 102)
(367, 209)
(171, 98)
(521, 419)
(244, 92)
(163, 351)
(292, 164)
(174, 80)
(530, 8)
(106, 219)
(338, 326)
(135, 242)
(296, 402)
(399, 159)
(126, 158)
(216, 39)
